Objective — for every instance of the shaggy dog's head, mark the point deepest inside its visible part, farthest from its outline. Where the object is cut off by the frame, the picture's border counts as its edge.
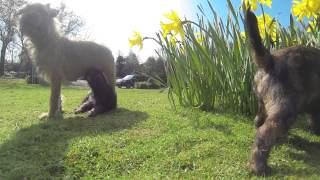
(37, 20)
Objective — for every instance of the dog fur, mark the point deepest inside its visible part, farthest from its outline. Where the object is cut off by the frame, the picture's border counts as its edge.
(87, 104)
(286, 84)
(101, 98)
(61, 59)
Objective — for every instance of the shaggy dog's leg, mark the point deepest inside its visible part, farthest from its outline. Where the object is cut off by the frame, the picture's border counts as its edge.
(104, 94)
(55, 106)
(55, 96)
(87, 104)
(275, 126)
(315, 123)
(60, 103)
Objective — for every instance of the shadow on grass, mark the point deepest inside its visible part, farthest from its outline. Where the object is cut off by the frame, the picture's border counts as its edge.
(219, 127)
(309, 154)
(39, 150)
(222, 122)
(311, 149)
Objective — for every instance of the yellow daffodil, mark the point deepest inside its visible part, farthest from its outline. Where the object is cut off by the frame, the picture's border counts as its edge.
(267, 26)
(306, 8)
(314, 7)
(266, 2)
(253, 3)
(299, 9)
(175, 25)
(136, 40)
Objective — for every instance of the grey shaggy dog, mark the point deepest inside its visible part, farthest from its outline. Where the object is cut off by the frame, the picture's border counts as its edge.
(61, 59)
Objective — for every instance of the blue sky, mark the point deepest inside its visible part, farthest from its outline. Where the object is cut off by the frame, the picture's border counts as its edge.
(112, 22)
(281, 9)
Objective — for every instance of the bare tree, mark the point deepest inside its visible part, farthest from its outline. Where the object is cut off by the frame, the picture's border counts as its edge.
(12, 39)
(8, 26)
(70, 23)
(12, 54)
(24, 55)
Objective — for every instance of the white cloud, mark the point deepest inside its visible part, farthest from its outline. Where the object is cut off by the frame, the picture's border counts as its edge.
(111, 22)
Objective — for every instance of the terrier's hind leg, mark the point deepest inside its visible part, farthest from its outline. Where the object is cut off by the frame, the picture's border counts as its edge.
(274, 127)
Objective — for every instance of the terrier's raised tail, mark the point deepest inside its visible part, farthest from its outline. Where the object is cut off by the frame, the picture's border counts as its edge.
(261, 56)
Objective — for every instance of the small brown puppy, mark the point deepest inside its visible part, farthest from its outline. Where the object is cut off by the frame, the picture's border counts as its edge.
(287, 83)
(61, 59)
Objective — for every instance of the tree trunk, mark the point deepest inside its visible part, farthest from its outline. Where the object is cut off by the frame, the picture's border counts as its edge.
(3, 57)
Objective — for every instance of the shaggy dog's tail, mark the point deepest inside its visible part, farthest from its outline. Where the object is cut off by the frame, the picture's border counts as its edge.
(261, 56)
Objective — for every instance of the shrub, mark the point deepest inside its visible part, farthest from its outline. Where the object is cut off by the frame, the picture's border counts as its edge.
(36, 80)
(146, 85)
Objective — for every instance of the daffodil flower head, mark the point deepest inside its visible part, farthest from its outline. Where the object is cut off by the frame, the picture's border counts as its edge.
(267, 26)
(314, 7)
(306, 8)
(174, 25)
(253, 4)
(266, 2)
(136, 40)
(299, 9)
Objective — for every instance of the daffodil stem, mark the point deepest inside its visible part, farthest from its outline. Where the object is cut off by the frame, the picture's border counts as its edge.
(191, 22)
(151, 38)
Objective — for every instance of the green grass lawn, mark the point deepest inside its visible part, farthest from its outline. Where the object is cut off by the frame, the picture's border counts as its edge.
(145, 138)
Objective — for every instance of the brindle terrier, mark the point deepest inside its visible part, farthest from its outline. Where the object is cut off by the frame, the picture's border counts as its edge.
(287, 83)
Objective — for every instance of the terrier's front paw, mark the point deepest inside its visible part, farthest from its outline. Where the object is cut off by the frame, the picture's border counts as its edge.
(260, 169)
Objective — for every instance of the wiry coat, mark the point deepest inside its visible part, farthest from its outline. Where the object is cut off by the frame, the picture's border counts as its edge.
(286, 84)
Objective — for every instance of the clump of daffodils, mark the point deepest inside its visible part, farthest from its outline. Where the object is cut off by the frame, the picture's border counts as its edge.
(174, 25)
(309, 9)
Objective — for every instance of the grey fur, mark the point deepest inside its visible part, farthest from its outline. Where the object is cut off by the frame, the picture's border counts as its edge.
(59, 58)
